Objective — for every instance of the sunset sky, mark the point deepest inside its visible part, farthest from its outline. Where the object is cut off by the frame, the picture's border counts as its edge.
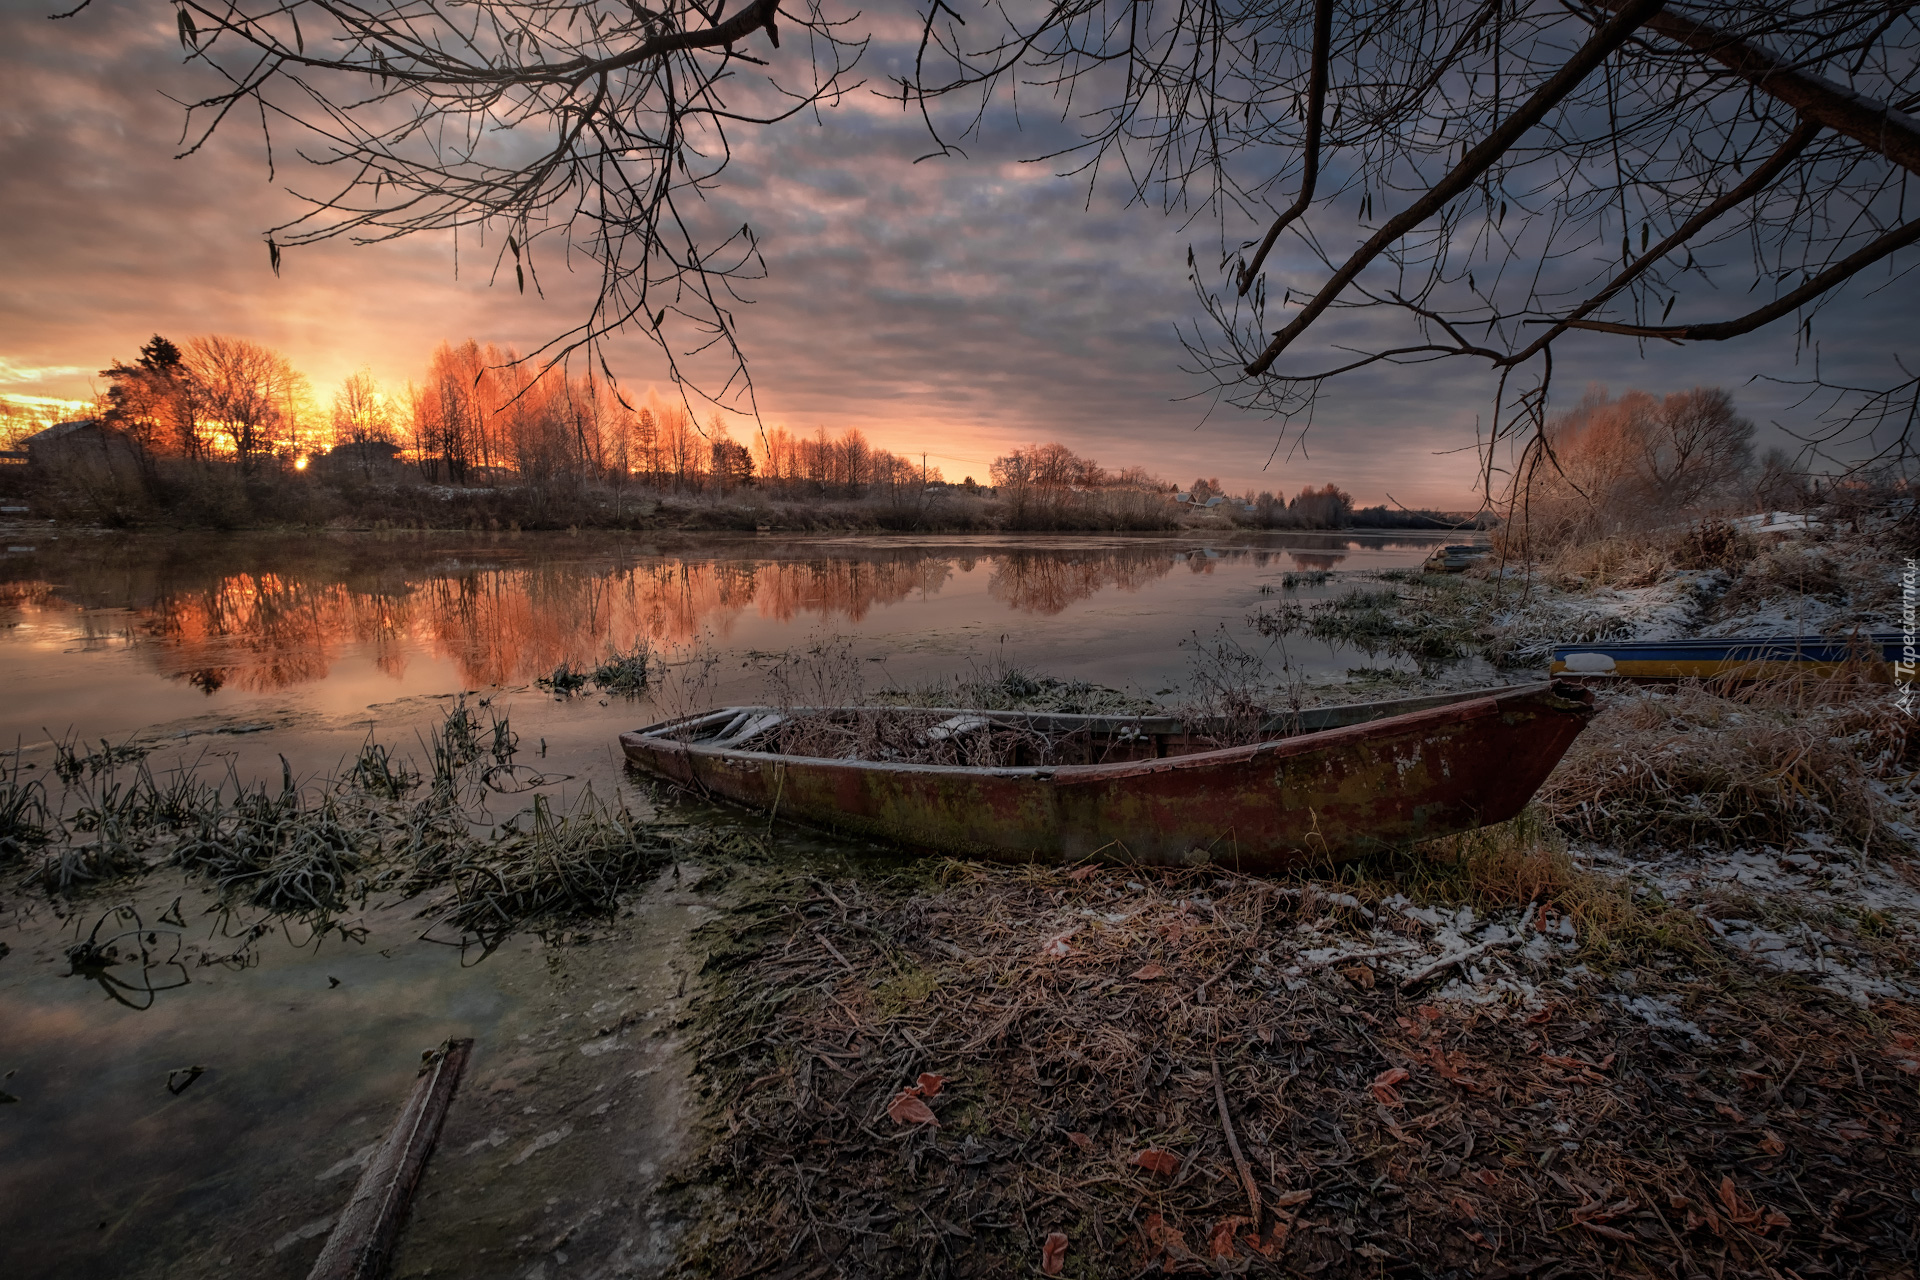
(959, 306)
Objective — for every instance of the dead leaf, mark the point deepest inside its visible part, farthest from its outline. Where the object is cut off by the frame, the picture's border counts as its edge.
(1491, 1178)
(1053, 1254)
(1057, 945)
(1276, 1240)
(1147, 973)
(1165, 1238)
(1383, 1083)
(1288, 1199)
(1729, 1113)
(1220, 1243)
(1080, 873)
(1156, 1160)
(1771, 1143)
(908, 1109)
(929, 1084)
(1359, 975)
(1081, 1141)
(1853, 1130)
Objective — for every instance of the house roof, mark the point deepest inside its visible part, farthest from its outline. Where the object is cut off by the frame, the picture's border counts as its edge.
(57, 431)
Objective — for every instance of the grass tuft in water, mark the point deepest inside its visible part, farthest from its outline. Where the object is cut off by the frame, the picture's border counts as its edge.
(627, 674)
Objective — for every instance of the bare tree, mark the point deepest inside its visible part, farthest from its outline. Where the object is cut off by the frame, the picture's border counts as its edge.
(1520, 170)
(249, 393)
(542, 129)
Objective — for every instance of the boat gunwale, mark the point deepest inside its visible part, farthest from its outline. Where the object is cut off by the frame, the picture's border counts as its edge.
(1479, 701)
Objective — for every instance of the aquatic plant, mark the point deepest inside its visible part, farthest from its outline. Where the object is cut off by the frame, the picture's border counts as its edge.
(71, 761)
(565, 681)
(376, 772)
(625, 674)
(546, 866)
(24, 818)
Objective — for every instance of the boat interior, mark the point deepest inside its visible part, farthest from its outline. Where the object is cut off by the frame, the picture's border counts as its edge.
(1012, 739)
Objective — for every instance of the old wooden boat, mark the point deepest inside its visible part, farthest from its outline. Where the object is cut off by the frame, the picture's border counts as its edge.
(1738, 657)
(1327, 783)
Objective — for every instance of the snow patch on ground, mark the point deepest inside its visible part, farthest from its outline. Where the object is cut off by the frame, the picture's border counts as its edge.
(1801, 911)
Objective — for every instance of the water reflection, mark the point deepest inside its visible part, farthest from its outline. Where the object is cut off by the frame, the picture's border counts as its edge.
(263, 614)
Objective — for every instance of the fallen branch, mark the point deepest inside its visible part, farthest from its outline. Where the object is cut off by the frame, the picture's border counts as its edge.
(1447, 962)
(1233, 1145)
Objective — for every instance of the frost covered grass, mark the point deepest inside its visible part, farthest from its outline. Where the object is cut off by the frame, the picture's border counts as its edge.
(1778, 762)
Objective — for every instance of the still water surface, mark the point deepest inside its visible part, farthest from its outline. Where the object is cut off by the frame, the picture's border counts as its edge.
(247, 650)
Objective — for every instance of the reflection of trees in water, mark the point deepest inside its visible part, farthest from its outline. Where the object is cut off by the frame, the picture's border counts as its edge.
(1048, 581)
(1316, 559)
(261, 629)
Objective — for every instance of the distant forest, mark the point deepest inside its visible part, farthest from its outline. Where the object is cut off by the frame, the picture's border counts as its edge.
(224, 431)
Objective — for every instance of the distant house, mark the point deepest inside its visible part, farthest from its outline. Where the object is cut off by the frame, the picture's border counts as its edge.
(86, 444)
(370, 459)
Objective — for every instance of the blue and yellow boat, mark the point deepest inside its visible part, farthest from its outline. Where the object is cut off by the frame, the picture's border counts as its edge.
(1733, 657)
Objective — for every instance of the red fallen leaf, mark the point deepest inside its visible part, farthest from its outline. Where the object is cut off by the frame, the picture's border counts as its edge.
(1081, 1141)
(1155, 1160)
(1220, 1243)
(1383, 1085)
(1771, 1143)
(1775, 1218)
(1276, 1240)
(1147, 973)
(1853, 1130)
(1464, 1209)
(1081, 873)
(1288, 1199)
(908, 1109)
(1166, 1238)
(929, 1084)
(1053, 1254)
(1491, 1178)
(1729, 1113)
(1545, 1015)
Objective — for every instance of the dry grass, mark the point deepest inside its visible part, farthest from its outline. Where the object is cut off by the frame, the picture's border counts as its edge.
(1209, 1073)
(1762, 763)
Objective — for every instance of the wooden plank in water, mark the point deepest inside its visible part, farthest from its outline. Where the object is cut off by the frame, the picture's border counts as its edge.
(363, 1238)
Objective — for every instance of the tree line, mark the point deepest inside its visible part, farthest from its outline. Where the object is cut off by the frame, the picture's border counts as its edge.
(480, 416)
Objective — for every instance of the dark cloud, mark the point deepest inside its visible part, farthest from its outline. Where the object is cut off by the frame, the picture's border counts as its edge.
(958, 305)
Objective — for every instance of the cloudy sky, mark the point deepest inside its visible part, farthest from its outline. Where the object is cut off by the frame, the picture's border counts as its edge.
(958, 306)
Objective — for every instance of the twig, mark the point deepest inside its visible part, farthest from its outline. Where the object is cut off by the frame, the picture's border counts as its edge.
(1233, 1143)
(1447, 962)
(836, 953)
(1315, 965)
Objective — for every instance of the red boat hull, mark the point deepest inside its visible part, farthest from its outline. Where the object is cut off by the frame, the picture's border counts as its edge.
(1380, 784)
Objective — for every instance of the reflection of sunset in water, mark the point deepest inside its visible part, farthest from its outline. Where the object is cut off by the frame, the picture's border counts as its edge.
(262, 629)
(269, 613)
